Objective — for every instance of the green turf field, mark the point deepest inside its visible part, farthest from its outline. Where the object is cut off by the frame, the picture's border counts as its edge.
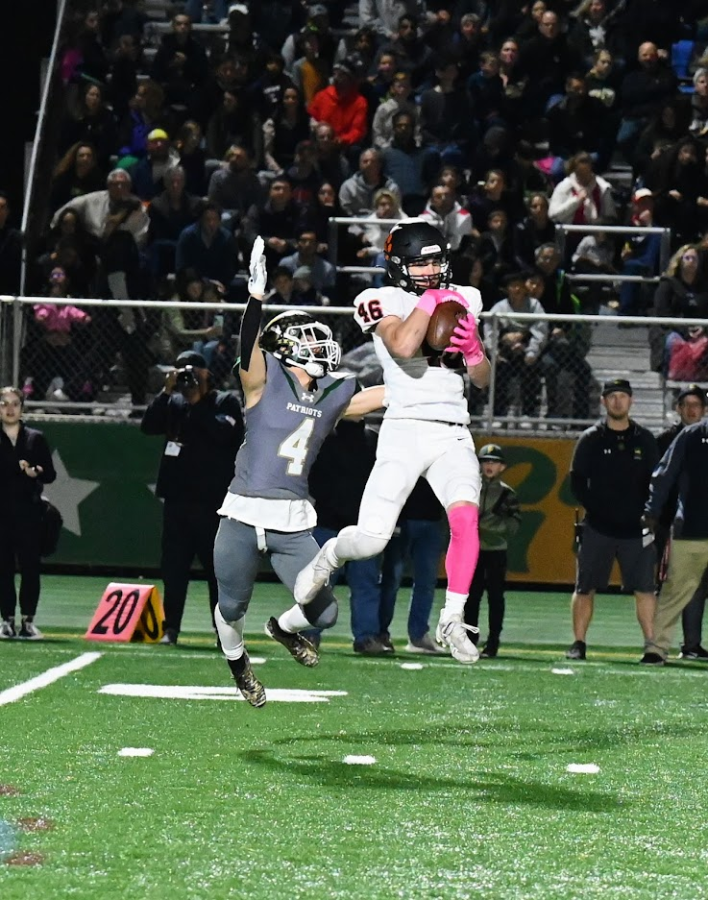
(466, 792)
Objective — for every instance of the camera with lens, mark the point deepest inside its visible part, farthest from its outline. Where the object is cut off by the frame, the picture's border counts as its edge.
(186, 380)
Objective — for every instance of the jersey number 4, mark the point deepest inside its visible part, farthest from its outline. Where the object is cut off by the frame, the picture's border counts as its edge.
(370, 311)
(296, 445)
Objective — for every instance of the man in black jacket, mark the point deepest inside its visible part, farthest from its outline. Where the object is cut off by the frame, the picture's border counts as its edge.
(170, 213)
(691, 407)
(203, 430)
(609, 475)
(683, 466)
(547, 59)
(181, 64)
(643, 91)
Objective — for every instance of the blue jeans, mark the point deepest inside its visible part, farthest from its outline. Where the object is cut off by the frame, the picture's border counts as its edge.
(629, 291)
(422, 540)
(627, 135)
(364, 581)
(207, 350)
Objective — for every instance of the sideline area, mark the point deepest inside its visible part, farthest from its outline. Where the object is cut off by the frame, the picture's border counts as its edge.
(532, 618)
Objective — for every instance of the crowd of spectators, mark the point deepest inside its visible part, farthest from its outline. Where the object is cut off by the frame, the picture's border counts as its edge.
(497, 121)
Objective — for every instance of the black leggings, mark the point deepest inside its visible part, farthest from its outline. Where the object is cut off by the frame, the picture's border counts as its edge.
(188, 530)
(490, 574)
(19, 551)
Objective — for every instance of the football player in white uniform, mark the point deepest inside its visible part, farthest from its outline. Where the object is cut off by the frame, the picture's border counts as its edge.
(424, 431)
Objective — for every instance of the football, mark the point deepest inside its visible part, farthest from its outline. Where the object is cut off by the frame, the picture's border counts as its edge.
(442, 323)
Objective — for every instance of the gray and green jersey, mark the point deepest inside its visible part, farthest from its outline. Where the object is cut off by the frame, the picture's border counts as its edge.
(284, 433)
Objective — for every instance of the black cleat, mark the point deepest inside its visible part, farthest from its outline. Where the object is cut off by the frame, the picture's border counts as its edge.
(652, 659)
(386, 642)
(490, 651)
(371, 646)
(576, 650)
(297, 645)
(694, 653)
(251, 688)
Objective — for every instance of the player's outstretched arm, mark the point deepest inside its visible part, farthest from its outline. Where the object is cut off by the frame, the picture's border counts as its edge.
(366, 401)
(252, 367)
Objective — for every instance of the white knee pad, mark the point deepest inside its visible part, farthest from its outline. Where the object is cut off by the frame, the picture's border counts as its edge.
(352, 543)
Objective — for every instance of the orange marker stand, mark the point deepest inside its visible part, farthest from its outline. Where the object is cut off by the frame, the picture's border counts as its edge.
(127, 612)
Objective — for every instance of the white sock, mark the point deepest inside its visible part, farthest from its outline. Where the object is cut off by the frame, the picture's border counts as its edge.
(230, 635)
(293, 620)
(455, 603)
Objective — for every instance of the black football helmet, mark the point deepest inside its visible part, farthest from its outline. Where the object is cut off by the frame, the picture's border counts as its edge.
(297, 339)
(416, 241)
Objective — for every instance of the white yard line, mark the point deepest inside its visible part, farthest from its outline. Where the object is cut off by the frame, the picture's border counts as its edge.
(46, 678)
(195, 692)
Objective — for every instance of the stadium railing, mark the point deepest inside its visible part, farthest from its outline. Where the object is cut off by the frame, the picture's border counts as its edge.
(634, 347)
(562, 230)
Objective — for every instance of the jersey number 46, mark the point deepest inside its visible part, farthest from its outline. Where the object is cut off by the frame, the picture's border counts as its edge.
(370, 311)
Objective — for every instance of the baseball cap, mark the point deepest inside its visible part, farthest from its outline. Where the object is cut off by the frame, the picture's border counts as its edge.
(319, 9)
(617, 384)
(238, 8)
(352, 64)
(158, 134)
(692, 390)
(303, 272)
(190, 358)
(491, 453)
(642, 194)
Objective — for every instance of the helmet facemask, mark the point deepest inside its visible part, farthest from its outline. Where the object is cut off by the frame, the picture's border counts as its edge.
(305, 344)
(422, 283)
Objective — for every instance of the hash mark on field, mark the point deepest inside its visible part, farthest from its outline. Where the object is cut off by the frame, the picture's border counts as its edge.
(46, 678)
(583, 768)
(194, 692)
(360, 760)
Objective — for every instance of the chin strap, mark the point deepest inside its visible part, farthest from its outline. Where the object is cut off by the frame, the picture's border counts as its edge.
(314, 370)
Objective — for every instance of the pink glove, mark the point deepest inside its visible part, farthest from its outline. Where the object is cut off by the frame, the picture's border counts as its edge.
(431, 298)
(465, 340)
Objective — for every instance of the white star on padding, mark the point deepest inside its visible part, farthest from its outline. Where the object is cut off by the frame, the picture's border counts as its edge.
(67, 494)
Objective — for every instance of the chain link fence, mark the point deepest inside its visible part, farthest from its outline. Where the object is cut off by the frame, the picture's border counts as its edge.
(107, 359)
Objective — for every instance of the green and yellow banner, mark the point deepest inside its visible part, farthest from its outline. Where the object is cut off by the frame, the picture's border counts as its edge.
(106, 476)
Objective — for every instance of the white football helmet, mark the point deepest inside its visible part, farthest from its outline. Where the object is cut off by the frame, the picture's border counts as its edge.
(297, 339)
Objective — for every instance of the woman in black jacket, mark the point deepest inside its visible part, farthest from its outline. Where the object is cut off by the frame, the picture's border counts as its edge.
(676, 180)
(682, 294)
(92, 123)
(25, 466)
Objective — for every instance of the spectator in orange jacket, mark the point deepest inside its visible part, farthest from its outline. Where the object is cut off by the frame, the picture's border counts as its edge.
(341, 105)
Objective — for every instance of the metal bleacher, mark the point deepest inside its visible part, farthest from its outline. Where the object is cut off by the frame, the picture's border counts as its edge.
(624, 353)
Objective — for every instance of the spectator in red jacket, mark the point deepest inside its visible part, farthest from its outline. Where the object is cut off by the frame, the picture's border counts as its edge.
(342, 106)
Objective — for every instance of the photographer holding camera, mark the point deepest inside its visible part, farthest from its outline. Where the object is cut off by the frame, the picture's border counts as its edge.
(203, 430)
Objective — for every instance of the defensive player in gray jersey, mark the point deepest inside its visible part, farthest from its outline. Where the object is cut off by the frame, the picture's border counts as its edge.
(292, 403)
(425, 427)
